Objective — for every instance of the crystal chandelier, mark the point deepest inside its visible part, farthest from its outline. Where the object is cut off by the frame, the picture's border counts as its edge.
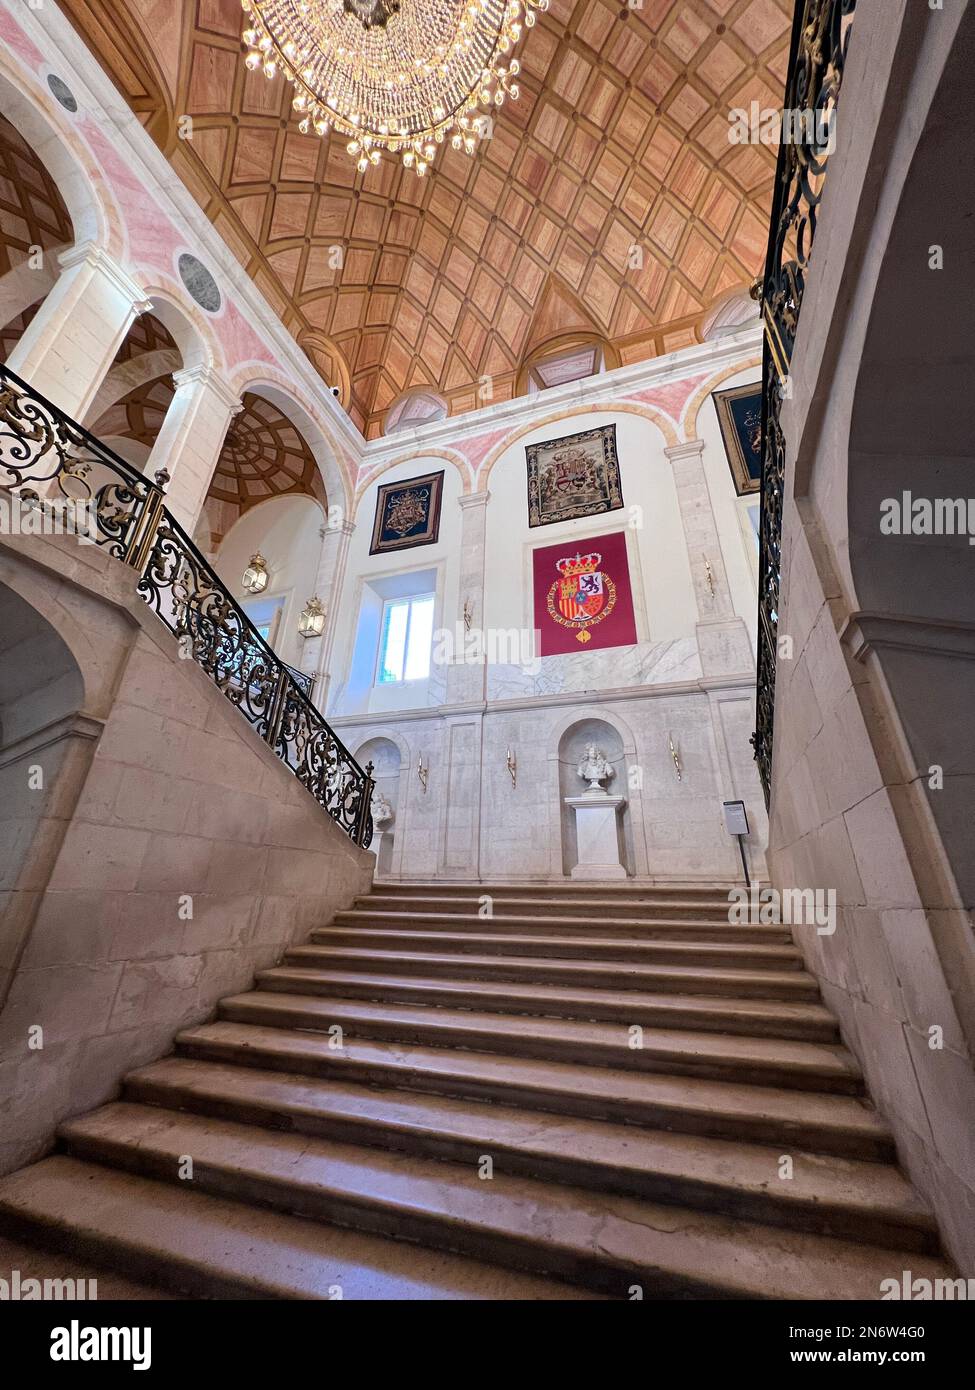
(397, 75)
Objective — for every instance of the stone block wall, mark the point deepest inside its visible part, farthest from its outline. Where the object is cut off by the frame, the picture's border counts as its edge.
(184, 855)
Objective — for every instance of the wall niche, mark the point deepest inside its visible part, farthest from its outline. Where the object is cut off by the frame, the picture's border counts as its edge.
(572, 748)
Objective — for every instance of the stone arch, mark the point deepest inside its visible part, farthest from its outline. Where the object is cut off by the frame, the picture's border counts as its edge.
(42, 726)
(692, 410)
(333, 464)
(388, 752)
(193, 334)
(655, 416)
(569, 735)
(559, 834)
(94, 215)
(448, 456)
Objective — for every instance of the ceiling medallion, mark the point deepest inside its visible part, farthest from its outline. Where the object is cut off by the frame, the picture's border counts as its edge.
(396, 75)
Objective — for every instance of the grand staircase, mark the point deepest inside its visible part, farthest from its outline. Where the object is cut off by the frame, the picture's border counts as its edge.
(498, 1093)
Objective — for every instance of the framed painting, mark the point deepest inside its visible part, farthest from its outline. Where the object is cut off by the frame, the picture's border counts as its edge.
(576, 476)
(407, 514)
(740, 417)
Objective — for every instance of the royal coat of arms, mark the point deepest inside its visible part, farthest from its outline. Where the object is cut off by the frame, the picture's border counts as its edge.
(573, 477)
(407, 513)
(583, 595)
(582, 598)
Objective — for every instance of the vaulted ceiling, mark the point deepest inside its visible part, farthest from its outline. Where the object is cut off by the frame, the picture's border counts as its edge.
(620, 140)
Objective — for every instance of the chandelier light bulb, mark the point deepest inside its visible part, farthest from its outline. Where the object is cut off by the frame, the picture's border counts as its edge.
(398, 75)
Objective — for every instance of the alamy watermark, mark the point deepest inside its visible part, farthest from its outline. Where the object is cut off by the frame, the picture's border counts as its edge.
(801, 907)
(908, 515)
(52, 516)
(20, 1288)
(768, 125)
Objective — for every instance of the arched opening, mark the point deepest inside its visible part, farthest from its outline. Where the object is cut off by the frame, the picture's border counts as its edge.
(387, 843)
(131, 404)
(573, 746)
(286, 530)
(264, 456)
(35, 226)
(911, 464)
(414, 408)
(41, 688)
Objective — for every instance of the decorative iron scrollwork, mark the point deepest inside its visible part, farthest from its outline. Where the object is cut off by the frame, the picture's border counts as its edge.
(46, 456)
(820, 38)
(179, 586)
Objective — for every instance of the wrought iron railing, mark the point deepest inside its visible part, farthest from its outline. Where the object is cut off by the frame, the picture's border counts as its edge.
(820, 35)
(47, 458)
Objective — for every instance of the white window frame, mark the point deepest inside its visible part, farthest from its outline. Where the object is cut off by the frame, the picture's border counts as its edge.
(409, 600)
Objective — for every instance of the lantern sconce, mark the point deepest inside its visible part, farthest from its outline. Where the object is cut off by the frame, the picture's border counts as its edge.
(255, 577)
(422, 772)
(311, 622)
(468, 614)
(511, 763)
(675, 756)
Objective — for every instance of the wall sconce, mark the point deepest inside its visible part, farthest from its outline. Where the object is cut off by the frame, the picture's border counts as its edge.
(673, 754)
(255, 576)
(311, 622)
(511, 763)
(422, 772)
(468, 614)
(709, 575)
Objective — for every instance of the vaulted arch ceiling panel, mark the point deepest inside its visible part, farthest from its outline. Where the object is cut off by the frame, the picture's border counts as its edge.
(620, 140)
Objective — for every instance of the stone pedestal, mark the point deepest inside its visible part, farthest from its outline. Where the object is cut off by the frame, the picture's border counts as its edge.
(381, 839)
(597, 835)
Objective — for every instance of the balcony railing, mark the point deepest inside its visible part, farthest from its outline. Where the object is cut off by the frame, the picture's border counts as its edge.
(820, 35)
(48, 459)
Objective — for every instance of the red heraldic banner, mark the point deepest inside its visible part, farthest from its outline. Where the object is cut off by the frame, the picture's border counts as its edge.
(582, 595)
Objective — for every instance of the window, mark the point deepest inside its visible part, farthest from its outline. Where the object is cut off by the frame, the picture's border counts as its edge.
(406, 639)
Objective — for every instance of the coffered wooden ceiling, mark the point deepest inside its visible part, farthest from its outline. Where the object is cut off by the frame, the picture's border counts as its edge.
(619, 140)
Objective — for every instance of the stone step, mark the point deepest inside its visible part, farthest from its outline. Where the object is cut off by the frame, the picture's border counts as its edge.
(761, 1017)
(599, 1240)
(186, 1240)
(592, 908)
(753, 1061)
(590, 923)
(826, 1194)
(596, 892)
(687, 953)
(815, 1120)
(618, 975)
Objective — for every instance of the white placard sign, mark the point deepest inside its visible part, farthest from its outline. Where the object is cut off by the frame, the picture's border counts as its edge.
(735, 819)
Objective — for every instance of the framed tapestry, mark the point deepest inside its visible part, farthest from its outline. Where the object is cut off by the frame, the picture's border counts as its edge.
(407, 514)
(582, 595)
(572, 477)
(740, 417)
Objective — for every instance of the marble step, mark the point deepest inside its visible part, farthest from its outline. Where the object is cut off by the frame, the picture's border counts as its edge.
(618, 928)
(617, 975)
(827, 1194)
(596, 1239)
(814, 1120)
(557, 891)
(763, 1017)
(754, 1061)
(633, 914)
(586, 948)
(188, 1241)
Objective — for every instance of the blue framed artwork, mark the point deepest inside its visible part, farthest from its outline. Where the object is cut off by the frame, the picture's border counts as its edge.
(740, 417)
(407, 514)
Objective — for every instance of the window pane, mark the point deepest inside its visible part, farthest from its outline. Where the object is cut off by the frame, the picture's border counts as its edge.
(392, 650)
(420, 640)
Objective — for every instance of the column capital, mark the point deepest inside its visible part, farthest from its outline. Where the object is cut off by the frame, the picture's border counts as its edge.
(690, 448)
(204, 376)
(97, 258)
(474, 499)
(344, 528)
